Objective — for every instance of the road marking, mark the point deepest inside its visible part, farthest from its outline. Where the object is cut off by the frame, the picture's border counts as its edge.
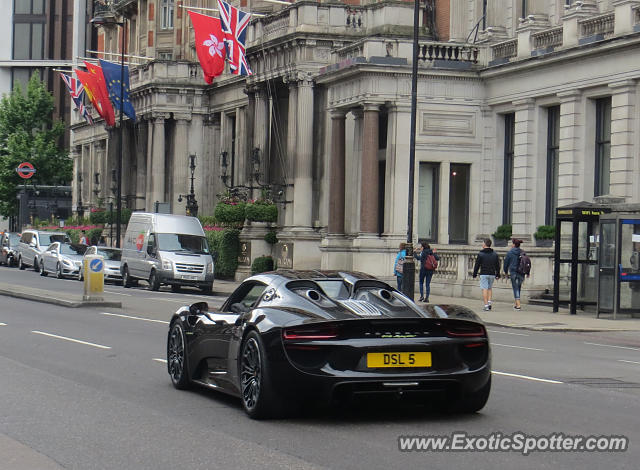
(517, 347)
(526, 377)
(117, 293)
(71, 339)
(3, 324)
(134, 318)
(183, 302)
(507, 333)
(164, 361)
(612, 346)
(629, 362)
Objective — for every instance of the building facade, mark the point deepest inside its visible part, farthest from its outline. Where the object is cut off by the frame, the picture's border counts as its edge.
(522, 107)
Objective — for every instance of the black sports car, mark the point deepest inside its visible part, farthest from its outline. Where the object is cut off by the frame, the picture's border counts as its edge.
(291, 337)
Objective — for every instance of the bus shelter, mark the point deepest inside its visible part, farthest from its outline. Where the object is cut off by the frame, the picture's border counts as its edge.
(575, 273)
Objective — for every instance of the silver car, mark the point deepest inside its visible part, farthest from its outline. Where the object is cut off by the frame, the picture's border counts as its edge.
(33, 243)
(8, 243)
(111, 262)
(63, 259)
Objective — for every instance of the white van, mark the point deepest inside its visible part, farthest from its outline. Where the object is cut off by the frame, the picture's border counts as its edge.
(166, 249)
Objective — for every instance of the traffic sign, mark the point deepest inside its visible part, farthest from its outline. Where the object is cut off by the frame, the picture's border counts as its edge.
(95, 265)
(25, 170)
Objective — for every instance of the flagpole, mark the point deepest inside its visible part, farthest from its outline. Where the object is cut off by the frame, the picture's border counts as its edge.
(120, 146)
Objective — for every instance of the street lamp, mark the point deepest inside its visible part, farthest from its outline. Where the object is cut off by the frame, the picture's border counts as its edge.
(192, 204)
(106, 19)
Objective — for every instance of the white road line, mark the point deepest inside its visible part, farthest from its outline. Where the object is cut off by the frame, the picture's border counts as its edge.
(164, 361)
(168, 300)
(3, 324)
(134, 318)
(526, 377)
(517, 347)
(612, 346)
(118, 293)
(507, 333)
(71, 339)
(628, 362)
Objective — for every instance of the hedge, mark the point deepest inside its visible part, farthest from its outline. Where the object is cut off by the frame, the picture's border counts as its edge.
(271, 238)
(261, 212)
(226, 243)
(262, 264)
(230, 214)
(104, 216)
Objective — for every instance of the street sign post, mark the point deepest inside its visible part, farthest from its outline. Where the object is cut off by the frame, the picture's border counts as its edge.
(25, 170)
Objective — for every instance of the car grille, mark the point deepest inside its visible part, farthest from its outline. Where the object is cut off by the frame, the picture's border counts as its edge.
(189, 268)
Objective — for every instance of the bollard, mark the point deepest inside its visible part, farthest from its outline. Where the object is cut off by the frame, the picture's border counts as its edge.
(93, 266)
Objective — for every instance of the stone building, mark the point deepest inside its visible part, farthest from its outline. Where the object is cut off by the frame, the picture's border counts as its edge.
(518, 112)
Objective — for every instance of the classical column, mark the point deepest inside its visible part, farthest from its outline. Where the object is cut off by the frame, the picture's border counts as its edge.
(337, 173)
(141, 165)
(180, 163)
(570, 149)
(292, 122)
(369, 173)
(158, 162)
(261, 130)
(523, 169)
(75, 156)
(623, 111)
(303, 189)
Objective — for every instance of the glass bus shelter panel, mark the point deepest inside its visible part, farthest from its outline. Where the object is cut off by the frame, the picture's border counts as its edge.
(629, 265)
(564, 286)
(607, 274)
(587, 283)
(566, 228)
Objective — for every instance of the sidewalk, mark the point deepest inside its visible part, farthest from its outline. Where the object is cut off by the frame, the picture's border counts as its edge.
(531, 317)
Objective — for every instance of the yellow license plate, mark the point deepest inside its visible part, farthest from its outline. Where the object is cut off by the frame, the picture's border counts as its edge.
(399, 359)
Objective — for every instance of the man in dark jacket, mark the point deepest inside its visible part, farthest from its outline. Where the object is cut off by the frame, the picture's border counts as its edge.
(510, 266)
(488, 264)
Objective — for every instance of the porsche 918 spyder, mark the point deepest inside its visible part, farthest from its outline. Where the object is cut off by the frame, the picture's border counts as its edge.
(294, 337)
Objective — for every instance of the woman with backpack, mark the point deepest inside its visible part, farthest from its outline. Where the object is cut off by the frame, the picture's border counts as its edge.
(428, 264)
(516, 266)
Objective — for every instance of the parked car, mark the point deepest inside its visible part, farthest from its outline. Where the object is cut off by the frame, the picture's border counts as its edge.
(8, 244)
(63, 259)
(289, 338)
(33, 243)
(111, 257)
(166, 249)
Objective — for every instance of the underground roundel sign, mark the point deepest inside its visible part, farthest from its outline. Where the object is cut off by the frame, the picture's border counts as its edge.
(140, 241)
(25, 170)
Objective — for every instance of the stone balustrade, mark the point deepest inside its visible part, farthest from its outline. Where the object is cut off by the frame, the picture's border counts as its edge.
(636, 16)
(547, 38)
(504, 50)
(448, 51)
(600, 26)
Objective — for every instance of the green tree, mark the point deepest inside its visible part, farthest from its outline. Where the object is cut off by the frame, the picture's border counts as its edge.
(28, 133)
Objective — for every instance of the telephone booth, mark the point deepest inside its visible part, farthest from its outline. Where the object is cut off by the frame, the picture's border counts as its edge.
(575, 273)
(619, 264)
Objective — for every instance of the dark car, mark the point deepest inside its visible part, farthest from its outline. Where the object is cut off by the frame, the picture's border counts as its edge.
(290, 338)
(8, 243)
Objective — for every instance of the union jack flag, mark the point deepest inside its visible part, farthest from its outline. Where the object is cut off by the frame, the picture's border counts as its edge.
(76, 90)
(234, 26)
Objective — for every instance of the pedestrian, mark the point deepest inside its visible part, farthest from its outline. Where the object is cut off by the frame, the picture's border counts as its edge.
(510, 267)
(488, 264)
(399, 264)
(427, 268)
(83, 238)
(102, 241)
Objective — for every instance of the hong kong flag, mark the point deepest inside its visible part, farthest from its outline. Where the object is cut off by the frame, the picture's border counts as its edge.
(209, 45)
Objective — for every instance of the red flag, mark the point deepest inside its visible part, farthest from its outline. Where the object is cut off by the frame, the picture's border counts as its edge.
(102, 95)
(92, 88)
(209, 45)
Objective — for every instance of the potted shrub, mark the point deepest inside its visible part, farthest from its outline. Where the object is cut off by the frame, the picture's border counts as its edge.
(262, 210)
(545, 235)
(501, 235)
(262, 264)
(230, 212)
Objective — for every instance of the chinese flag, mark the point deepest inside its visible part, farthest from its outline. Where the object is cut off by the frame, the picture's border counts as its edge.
(102, 95)
(92, 89)
(209, 45)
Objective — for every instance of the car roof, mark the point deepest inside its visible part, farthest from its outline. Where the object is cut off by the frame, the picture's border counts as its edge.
(312, 274)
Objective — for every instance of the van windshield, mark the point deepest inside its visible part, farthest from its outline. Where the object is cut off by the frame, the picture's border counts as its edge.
(178, 242)
(47, 239)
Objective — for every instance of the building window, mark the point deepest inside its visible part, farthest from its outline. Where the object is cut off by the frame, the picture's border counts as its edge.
(553, 146)
(603, 146)
(167, 14)
(165, 55)
(507, 198)
(428, 190)
(459, 178)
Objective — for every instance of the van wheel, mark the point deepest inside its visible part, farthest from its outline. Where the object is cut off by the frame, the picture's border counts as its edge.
(36, 265)
(21, 265)
(205, 289)
(175, 288)
(154, 282)
(126, 278)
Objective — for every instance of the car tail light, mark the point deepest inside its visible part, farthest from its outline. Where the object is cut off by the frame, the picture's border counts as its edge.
(466, 330)
(310, 333)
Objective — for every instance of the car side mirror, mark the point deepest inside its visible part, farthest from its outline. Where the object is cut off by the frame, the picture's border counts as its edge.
(198, 308)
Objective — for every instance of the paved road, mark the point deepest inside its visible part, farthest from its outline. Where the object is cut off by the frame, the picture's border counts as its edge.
(85, 389)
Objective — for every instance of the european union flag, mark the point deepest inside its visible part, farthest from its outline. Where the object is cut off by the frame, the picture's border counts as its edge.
(112, 74)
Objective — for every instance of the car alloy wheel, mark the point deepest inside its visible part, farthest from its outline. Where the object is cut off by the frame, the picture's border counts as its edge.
(251, 376)
(59, 271)
(36, 265)
(177, 357)
(80, 276)
(154, 282)
(21, 265)
(42, 271)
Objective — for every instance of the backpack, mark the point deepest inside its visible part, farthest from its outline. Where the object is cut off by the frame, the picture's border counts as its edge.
(524, 264)
(399, 265)
(430, 262)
